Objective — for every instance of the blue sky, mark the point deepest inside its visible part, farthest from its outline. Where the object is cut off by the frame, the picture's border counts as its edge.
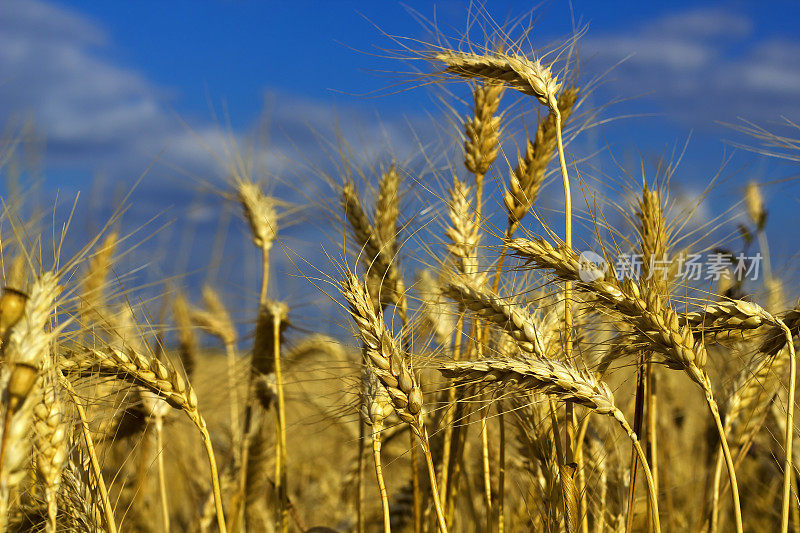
(115, 86)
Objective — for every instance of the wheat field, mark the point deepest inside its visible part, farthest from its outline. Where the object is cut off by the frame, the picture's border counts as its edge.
(509, 363)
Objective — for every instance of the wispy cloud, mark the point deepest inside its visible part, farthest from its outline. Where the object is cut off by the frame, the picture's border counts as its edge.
(99, 115)
(703, 66)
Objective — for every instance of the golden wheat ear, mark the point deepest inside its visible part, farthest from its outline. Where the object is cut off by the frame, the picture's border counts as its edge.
(517, 72)
(28, 355)
(392, 371)
(557, 380)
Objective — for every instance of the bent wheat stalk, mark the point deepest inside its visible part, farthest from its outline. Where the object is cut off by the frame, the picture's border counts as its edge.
(645, 312)
(162, 380)
(557, 380)
(279, 311)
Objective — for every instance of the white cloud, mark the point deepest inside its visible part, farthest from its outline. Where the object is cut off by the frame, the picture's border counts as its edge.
(703, 66)
(93, 113)
(98, 115)
(704, 24)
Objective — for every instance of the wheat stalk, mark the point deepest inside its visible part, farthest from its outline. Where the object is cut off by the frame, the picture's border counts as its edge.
(525, 180)
(159, 378)
(279, 312)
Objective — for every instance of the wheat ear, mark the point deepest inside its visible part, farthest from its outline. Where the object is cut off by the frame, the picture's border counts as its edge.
(164, 381)
(80, 488)
(27, 352)
(51, 447)
(390, 368)
(510, 318)
(516, 71)
(464, 231)
(387, 207)
(482, 133)
(95, 279)
(12, 305)
(96, 473)
(259, 210)
(646, 313)
(187, 340)
(377, 256)
(736, 315)
(557, 380)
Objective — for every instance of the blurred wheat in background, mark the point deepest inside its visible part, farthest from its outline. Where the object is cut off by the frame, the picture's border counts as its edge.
(489, 359)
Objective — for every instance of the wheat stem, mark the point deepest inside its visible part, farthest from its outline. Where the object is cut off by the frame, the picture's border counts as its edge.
(233, 390)
(415, 483)
(449, 418)
(280, 459)
(714, 523)
(426, 449)
(487, 478)
(570, 426)
(638, 415)
(262, 295)
(652, 423)
(376, 454)
(649, 477)
(90, 449)
(726, 452)
(162, 481)
(212, 464)
(501, 472)
(787, 468)
(360, 489)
